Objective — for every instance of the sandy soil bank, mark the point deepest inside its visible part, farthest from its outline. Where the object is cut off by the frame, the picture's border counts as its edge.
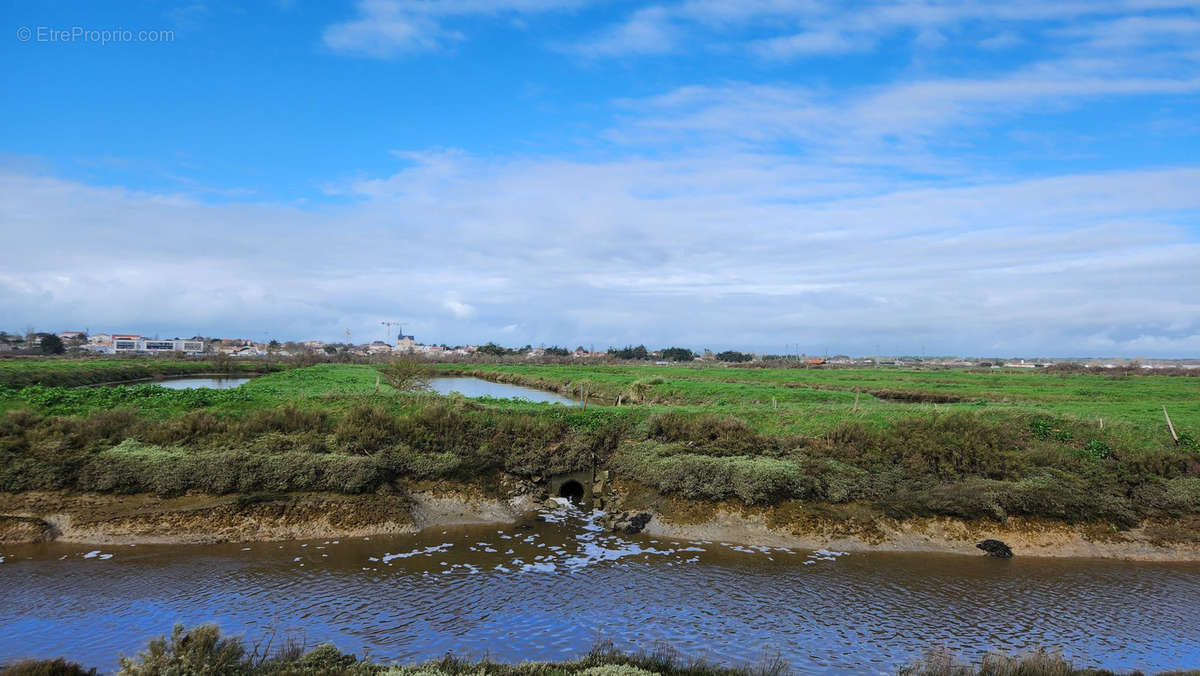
(118, 519)
(858, 528)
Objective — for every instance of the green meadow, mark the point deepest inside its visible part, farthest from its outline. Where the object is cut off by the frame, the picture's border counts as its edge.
(813, 400)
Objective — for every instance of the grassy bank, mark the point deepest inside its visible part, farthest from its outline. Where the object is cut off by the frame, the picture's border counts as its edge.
(73, 371)
(1016, 444)
(202, 650)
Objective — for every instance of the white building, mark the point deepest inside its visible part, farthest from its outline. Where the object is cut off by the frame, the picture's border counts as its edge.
(134, 343)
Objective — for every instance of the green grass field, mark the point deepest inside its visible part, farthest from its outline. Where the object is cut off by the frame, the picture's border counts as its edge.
(812, 401)
(994, 444)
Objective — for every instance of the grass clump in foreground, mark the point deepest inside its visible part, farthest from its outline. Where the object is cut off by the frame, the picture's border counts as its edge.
(203, 651)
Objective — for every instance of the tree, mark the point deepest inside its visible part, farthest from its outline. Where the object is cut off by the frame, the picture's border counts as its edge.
(557, 351)
(493, 349)
(51, 344)
(629, 352)
(273, 345)
(406, 375)
(678, 354)
(734, 356)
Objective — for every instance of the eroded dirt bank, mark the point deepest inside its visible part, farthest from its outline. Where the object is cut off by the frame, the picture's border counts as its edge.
(858, 528)
(113, 519)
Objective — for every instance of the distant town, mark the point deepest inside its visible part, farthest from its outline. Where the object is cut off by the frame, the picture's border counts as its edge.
(82, 343)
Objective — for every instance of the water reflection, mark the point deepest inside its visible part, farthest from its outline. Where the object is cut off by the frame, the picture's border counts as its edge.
(215, 383)
(478, 387)
(550, 590)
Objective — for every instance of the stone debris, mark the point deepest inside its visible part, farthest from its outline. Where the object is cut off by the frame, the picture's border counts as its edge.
(996, 548)
(624, 522)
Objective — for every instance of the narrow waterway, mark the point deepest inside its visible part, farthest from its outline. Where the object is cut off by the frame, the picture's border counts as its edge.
(478, 387)
(551, 589)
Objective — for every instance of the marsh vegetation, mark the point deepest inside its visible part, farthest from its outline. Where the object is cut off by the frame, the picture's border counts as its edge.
(1028, 444)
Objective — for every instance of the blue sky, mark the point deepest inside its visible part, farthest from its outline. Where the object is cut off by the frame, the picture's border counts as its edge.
(971, 178)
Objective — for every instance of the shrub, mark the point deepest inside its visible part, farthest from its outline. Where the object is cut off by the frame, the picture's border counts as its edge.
(365, 429)
(200, 651)
(1096, 449)
(406, 375)
(55, 667)
(710, 434)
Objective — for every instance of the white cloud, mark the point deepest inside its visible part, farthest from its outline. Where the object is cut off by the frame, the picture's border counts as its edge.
(709, 251)
(646, 31)
(389, 28)
(809, 42)
(458, 308)
(801, 28)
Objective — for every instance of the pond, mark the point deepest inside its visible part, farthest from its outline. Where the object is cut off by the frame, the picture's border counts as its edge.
(478, 387)
(211, 382)
(549, 591)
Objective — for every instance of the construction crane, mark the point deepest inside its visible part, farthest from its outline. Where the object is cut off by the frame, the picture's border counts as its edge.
(347, 338)
(389, 329)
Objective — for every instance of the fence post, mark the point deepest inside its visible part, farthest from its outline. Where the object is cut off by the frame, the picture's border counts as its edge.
(1169, 425)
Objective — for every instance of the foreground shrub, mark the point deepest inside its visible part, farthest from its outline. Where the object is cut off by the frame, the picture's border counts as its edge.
(56, 667)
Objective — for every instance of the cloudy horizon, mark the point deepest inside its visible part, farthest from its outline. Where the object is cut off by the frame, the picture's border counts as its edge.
(900, 177)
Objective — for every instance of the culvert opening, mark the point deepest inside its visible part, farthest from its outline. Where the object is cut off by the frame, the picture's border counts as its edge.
(571, 490)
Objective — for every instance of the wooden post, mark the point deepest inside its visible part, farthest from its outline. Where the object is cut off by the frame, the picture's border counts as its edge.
(855, 409)
(583, 397)
(774, 404)
(1102, 423)
(376, 383)
(1169, 425)
(618, 400)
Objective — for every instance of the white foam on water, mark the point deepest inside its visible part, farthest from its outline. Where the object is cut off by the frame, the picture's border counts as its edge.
(245, 549)
(373, 559)
(539, 568)
(428, 551)
(92, 554)
(1, 558)
(593, 553)
(296, 560)
(105, 557)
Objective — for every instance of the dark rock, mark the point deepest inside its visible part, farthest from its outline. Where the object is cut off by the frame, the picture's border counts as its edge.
(636, 523)
(996, 548)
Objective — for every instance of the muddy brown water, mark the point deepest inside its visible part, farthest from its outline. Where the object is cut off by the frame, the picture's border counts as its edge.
(551, 591)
